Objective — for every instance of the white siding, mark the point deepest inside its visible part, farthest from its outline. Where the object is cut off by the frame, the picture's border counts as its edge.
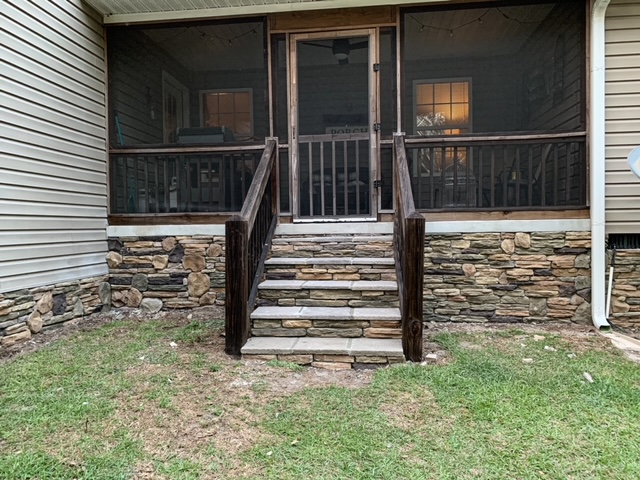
(622, 115)
(53, 193)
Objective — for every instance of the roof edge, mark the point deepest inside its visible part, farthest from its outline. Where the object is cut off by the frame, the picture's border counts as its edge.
(237, 11)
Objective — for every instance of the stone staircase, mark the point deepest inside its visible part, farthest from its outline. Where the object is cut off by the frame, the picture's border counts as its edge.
(329, 298)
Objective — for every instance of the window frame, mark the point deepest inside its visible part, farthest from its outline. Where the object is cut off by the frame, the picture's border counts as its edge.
(248, 90)
(435, 81)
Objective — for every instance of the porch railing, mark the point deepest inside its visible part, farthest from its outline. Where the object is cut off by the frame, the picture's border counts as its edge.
(334, 175)
(408, 234)
(248, 237)
(181, 179)
(510, 172)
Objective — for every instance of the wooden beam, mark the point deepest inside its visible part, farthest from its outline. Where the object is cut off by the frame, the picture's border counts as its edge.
(332, 19)
(516, 215)
(170, 219)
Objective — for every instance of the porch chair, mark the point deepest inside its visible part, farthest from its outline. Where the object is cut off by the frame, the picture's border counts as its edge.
(518, 183)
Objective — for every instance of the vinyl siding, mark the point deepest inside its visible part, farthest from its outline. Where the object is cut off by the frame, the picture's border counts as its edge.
(53, 192)
(622, 115)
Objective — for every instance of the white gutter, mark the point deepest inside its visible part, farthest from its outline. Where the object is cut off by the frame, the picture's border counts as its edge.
(597, 157)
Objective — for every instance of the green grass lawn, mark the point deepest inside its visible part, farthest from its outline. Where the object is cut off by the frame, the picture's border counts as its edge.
(122, 402)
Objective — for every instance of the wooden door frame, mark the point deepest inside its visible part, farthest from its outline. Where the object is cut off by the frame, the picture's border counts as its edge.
(374, 108)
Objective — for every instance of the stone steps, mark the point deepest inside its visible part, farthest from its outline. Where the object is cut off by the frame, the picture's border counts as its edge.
(340, 322)
(329, 353)
(329, 298)
(330, 268)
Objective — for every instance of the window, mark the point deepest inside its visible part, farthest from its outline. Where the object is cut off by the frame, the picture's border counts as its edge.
(442, 107)
(230, 109)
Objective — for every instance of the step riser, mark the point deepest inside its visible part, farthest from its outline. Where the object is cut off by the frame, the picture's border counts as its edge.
(314, 246)
(329, 272)
(327, 328)
(331, 362)
(328, 298)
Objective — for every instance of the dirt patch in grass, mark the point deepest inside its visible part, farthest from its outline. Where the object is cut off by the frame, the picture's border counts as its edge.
(404, 409)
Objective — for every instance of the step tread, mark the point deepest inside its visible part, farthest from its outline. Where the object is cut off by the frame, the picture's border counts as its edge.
(358, 285)
(337, 228)
(317, 345)
(330, 261)
(326, 313)
(334, 239)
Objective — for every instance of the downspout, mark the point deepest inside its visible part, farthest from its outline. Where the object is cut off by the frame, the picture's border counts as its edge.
(597, 156)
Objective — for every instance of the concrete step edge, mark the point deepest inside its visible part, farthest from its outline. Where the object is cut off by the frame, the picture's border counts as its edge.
(318, 345)
(327, 313)
(387, 261)
(356, 285)
(334, 239)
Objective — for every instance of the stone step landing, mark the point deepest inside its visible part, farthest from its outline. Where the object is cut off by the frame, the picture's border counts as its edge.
(330, 268)
(328, 293)
(356, 245)
(329, 353)
(343, 322)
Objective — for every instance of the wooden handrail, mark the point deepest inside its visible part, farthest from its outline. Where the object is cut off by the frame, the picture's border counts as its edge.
(409, 230)
(463, 141)
(248, 238)
(173, 150)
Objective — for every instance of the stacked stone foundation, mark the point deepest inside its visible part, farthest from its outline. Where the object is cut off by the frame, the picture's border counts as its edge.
(508, 278)
(155, 273)
(27, 312)
(625, 299)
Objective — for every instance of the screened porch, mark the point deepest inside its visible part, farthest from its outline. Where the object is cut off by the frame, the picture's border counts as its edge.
(491, 99)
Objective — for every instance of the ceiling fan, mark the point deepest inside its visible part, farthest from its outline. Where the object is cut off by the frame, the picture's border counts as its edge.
(341, 48)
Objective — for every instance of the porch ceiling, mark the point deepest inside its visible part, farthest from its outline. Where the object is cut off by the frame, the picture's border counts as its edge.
(140, 11)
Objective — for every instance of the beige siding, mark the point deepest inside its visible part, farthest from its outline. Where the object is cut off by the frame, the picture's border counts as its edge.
(53, 193)
(622, 114)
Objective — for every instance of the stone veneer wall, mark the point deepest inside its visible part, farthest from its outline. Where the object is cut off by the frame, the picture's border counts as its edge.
(30, 311)
(508, 277)
(155, 273)
(625, 301)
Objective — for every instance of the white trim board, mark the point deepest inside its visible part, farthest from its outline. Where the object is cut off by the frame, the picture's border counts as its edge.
(510, 226)
(164, 230)
(379, 228)
(158, 15)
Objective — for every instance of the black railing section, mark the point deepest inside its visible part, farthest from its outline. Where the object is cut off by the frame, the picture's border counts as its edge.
(181, 180)
(334, 175)
(512, 172)
(248, 238)
(408, 238)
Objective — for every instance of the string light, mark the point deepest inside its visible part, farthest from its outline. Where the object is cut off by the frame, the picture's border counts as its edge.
(479, 20)
(212, 36)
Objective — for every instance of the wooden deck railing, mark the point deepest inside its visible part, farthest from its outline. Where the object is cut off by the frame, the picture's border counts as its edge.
(408, 234)
(171, 180)
(248, 237)
(499, 172)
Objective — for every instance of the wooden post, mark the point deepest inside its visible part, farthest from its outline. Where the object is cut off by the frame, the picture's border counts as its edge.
(413, 287)
(237, 286)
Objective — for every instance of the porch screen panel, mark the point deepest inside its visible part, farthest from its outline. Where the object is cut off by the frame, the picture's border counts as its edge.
(185, 87)
(495, 70)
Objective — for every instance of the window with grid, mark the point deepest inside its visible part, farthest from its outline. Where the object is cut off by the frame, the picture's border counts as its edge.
(228, 109)
(442, 107)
